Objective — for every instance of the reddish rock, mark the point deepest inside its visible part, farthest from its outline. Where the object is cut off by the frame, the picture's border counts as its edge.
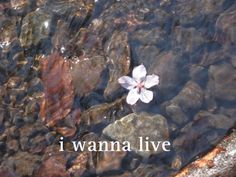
(79, 164)
(4, 172)
(54, 166)
(109, 160)
(59, 92)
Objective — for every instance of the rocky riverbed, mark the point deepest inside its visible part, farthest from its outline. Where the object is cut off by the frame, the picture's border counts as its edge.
(60, 61)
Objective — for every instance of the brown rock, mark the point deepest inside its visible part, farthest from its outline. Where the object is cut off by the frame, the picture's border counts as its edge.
(5, 172)
(109, 160)
(222, 83)
(102, 112)
(227, 23)
(54, 166)
(86, 73)
(58, 89)
(23, 163)
(118, 53)
(79, 164)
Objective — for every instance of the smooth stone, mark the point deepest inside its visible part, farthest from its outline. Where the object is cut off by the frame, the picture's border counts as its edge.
(103, 112)
(187, 39)
(35, 27)
(189, 98)
(109, 161)
(222, 83)
(202, 133)
(54, 165)
(227, 23)
(118, 53)
(133, 126)
(166, 66)
(86, 73)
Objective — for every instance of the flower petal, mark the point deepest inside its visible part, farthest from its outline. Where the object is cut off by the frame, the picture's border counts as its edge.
(139, 73)
(127, 82)
(133, 96)
(151, 80)
(146, 95)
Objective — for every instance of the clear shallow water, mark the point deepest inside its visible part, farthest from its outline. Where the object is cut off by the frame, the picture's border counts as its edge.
(59, 65)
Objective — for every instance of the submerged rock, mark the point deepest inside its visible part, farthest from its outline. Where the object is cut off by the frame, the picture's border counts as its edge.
(58, 89)
(5, 172)
(79, 164)
(108, 161)
(189, 99)
(171, 78)
(35, 27)
(75, 12)
(200, 135)
(222, 83)
(103, 112)
(118, 53)
(227, 23)
(53, 166)
(23, 163)
(86, 73)
(8, 32)
(18, 4)
(133, 126)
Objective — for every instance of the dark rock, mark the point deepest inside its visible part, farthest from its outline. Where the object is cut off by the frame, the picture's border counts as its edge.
(53, 166)
(187, 39)
(109, 161)
(35, 27)
(86, 80)
(103, 112)
(189, 99)
(58, 89)
(147, 37)
(8, 33)
(190, 11)
(74, 12)
(118, 54)
(171, 78)
(200, 135)
(227, 23)
(222, 83)
(13, 145)
(6, 172)
(148, 170)
(79, 164)
(23, 163)
(133, 126)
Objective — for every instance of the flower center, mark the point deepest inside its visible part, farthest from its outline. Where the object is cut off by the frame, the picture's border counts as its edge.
(140, 85)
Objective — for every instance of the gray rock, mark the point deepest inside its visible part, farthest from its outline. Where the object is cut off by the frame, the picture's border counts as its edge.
(149, 170)
(227, 23)
(23, 163)
(35, 27)
(189, 99)
(171, 78)
(222, 83)
(191, 10)
(118, 54)
(201, 134)
(187, 39)
(133, 126)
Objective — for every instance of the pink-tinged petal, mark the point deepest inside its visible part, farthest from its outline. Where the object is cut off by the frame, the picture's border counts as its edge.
(146, 95)
(151, 80)
(127, 82)
(139, 73)
(133, 96)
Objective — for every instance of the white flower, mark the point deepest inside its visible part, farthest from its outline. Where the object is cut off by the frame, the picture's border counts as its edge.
(138, 85)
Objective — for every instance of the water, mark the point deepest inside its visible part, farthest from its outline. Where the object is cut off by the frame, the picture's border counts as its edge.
(59, 66)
